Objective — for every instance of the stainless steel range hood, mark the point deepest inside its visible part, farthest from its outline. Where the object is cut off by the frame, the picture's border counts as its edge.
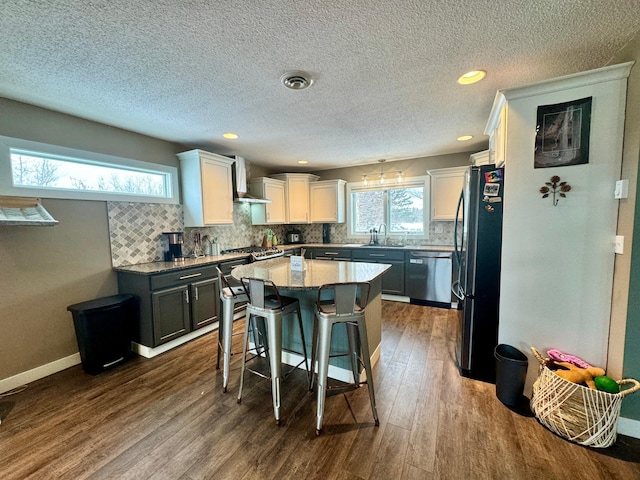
(18, 211)
(239, 177)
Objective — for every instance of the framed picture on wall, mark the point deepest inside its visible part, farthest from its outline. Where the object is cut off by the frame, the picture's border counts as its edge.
(562, 134)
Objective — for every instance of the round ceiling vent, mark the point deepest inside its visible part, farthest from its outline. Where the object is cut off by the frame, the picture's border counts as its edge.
(296, 80)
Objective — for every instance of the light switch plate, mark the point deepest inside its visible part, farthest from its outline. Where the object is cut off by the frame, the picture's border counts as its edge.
(622, 189)
(619, 248)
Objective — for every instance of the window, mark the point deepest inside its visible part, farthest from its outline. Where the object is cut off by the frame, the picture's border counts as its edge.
(36, 169)
(402, 208)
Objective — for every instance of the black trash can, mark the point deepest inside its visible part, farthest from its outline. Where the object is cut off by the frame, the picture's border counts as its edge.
(511, 373)
(104, 329)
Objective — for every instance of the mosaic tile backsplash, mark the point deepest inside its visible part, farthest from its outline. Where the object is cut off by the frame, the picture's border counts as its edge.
(135, 231)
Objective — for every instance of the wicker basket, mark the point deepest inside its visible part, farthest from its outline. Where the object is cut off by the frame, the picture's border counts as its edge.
(575, 412)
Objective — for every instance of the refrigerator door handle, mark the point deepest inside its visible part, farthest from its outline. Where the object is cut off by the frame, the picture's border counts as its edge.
(455, 227)
(456, 290)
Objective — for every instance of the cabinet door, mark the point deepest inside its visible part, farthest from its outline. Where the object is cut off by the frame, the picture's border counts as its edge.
(276, 209)
(393, 279)
(326, 202)
(170, 314)
(446, 185)
(205, 302)
(217, 197)
(298, 200)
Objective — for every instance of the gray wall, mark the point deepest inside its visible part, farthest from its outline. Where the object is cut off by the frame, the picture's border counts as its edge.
(45, 269)
(410, 168)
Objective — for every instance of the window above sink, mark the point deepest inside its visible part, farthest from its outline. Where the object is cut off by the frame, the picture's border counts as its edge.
(401, 208)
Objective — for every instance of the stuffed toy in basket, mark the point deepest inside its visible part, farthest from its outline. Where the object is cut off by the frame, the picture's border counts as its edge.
(575, 412)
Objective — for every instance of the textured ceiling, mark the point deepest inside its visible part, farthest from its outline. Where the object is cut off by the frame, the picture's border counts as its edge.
(385, 72)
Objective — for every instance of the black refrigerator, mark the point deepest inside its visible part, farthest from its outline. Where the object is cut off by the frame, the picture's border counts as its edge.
(478, 244)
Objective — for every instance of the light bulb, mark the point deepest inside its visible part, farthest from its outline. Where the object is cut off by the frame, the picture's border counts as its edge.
(399, 177)
(381, 179)
(364, 180)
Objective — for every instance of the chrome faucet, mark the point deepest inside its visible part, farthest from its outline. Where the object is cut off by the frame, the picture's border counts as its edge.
(385, 232)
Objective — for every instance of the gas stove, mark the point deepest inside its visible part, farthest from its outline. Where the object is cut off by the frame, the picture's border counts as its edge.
(258, 253)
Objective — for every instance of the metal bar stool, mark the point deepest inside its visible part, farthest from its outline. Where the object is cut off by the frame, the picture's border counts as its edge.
(230, 296)
(344, 307)
(266, 302)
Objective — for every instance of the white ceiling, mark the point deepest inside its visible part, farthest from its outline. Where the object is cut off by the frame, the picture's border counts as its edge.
(385, 71)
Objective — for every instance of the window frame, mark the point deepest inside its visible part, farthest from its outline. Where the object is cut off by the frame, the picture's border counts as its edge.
(7, 187)
(417, 181)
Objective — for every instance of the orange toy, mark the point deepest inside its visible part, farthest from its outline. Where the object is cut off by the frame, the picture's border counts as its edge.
(578, 375)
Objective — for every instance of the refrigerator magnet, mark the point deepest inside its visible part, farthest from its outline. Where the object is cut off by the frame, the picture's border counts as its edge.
(491, 189)
(493, 176)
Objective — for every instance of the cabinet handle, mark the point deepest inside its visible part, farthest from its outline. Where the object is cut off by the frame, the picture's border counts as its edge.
(332, 253)
(376, 254)
(190, 276)
(196, 292)
(186, 296)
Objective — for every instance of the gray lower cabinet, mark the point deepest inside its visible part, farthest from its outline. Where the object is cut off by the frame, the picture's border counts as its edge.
(173, 303)
(205, 302)
(393, 279)
(170, 314)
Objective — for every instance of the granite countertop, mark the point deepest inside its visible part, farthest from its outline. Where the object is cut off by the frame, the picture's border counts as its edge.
(161, 267)
(316, 273)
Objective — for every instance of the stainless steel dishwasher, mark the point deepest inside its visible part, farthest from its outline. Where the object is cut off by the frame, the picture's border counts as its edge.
(429, 276)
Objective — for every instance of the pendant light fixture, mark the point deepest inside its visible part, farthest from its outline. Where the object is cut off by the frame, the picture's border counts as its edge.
(399, 176)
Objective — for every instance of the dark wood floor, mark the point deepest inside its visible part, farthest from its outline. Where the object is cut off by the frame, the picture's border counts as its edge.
(167, 418)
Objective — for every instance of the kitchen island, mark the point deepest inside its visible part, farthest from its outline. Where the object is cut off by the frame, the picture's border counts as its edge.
(304, 286)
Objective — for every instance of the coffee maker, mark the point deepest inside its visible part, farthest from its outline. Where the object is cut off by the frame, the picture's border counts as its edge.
(176, 240)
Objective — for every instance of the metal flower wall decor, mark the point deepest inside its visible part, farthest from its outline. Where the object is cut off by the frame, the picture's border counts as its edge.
(555, 186)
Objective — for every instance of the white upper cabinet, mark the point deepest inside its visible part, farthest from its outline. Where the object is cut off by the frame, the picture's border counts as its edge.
(480, 158)
(297, 195)
(206, 188)
(327, 201)
(446, 186)
(496, 129)
(270, 189)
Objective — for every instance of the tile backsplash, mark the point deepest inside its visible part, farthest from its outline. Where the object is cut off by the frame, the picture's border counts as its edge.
(135, 231)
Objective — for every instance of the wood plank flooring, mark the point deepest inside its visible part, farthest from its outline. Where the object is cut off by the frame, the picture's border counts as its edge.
(167, 418)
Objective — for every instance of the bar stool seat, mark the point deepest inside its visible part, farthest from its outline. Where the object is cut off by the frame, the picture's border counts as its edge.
(344, 307)
(230, 296)
(265, 302)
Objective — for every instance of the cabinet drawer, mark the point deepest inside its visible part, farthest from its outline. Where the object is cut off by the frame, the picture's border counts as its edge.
(182, 276)
(335, 253)
(378, 254)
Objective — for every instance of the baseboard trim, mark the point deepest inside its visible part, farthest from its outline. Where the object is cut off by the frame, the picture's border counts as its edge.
(150, 352)
(629, 427)
(37, 373)
(395, 298)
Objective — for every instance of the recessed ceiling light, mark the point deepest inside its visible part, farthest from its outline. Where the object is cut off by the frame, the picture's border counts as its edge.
(464, 138)
(303, 162)
(472, 77)
(230, 136)
(296, 80)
